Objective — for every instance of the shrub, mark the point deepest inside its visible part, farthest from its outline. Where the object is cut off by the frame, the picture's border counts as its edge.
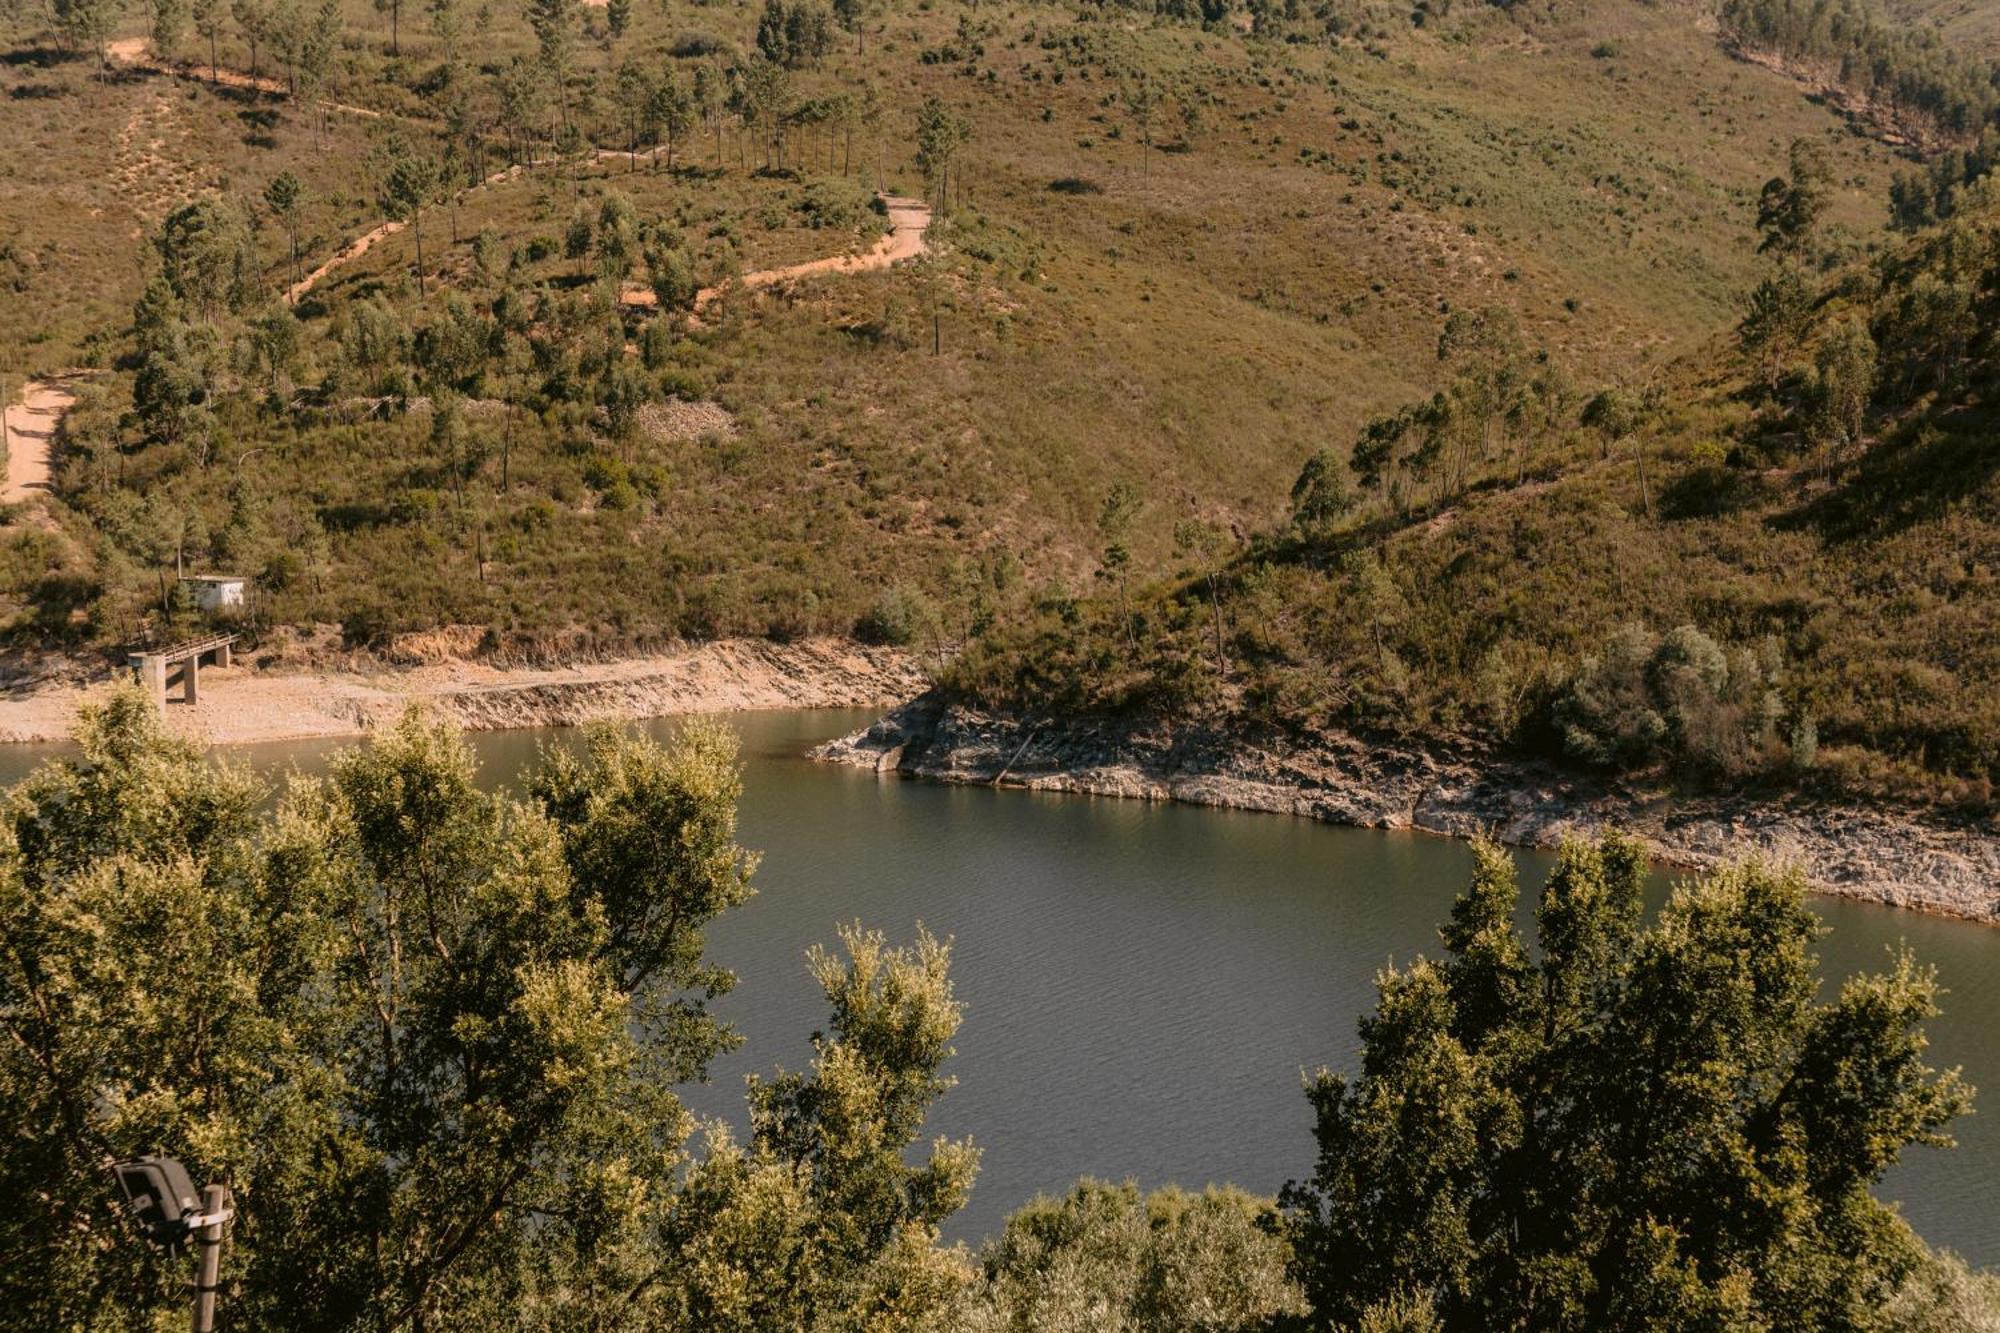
(901, 616)
(1680, 697)
(840, 205)
(367, 622)
(1104, 1256)
(699, 46)
(282, 571)
(414, 505)
(603, 473)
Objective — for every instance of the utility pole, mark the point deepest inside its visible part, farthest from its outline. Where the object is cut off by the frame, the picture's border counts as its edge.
(161, 1200)
(215, 1206)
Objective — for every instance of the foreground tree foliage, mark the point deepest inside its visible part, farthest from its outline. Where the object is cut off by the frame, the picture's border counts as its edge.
(430, 1036)
(1631, 1127)
(1107, 1259)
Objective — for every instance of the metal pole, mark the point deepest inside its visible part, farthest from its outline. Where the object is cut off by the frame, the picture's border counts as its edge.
(214, 1200)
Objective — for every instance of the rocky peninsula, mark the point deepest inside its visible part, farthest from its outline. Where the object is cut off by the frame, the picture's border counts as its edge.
(1903, 859)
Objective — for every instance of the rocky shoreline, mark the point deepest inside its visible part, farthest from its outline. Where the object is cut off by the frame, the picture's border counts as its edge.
(1875, 855)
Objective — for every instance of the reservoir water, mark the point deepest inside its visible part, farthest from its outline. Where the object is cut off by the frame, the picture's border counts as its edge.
(1144, 983)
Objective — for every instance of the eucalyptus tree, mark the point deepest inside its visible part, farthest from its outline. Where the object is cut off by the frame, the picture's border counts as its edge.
(87, 24)
(1142, 103)
(670, 269)
(853, 16)
(318, 46)
(710, 94)
(1320, 496)
(940, 135)
(1490, 366)
(633, 92)
(1791, 208)
(394, 9)
(448, 26)
(671, 111)
(169, 24)
(1845, 374)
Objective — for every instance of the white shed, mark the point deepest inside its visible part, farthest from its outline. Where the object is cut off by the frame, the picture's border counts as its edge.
(216, 592)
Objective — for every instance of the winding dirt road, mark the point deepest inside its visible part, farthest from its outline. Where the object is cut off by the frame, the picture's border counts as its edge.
(31, 436)
(138, 53)
(347, 254)
(909, 221)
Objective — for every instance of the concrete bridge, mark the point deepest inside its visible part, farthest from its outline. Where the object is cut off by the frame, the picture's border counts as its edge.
(150, 668)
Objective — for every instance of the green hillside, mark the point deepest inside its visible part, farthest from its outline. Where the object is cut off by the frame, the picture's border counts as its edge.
(1966, 24)
(1774, 566)
(1176, 259)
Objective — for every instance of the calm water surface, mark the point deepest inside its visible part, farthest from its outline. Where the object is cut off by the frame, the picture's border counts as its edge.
(1143, 984)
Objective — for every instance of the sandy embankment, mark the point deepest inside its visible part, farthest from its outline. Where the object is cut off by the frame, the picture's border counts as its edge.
(243, 704)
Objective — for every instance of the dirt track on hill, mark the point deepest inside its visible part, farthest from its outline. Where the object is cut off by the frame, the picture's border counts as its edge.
(909, 218)
(909, 221)
(137, 53)
(347, 254)
(31, 435)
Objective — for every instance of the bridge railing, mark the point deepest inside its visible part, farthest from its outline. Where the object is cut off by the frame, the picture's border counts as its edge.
(186, 648)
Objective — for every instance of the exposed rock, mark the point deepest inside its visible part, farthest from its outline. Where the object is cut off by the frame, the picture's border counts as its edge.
(1881, 855)
(677, 422)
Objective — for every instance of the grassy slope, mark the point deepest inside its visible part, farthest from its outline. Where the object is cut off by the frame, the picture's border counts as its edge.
(1966, 24)
(1196, 328)
(1874, 577)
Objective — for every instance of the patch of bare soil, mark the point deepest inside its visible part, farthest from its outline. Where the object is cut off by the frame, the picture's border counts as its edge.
(31, 435)
(150, 171)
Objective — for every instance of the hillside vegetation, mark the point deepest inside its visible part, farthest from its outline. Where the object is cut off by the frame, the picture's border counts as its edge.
(1774, 566)
(1175, 254)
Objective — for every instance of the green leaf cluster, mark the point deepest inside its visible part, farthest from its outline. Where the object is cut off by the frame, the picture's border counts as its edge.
(1628, 1126)
(430, 1035)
